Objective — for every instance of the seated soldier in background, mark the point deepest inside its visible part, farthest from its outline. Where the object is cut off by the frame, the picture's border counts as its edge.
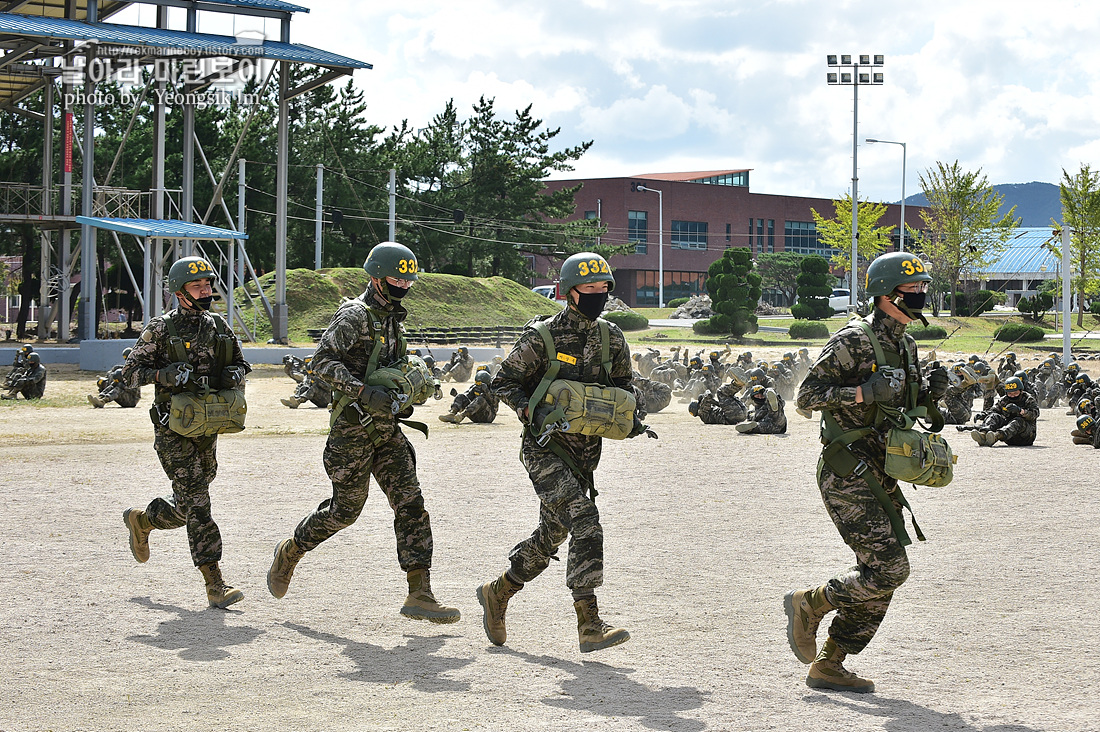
(112, 388)
(479, 403)
(1012, 419)
(768, 417)
(29, 379)
(653, 396)
(460, 367)
(1085, 432)
(309, 389)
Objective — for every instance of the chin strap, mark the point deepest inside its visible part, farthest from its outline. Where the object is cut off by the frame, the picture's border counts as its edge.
(899, 303)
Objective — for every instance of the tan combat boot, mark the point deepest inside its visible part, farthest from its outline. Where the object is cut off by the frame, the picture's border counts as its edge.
(805, 610)
(452, 417)
(217, 591)
(494, 597)
(287, 554)
(828, 672)
(746, 427)
(421, 603)
(138, 524)
(292, 402)
(95, 401)
(593, 632)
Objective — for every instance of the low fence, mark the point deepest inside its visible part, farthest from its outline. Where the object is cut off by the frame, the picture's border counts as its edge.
(499, 336)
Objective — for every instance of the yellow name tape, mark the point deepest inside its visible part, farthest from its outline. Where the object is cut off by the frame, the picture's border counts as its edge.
(567, 359)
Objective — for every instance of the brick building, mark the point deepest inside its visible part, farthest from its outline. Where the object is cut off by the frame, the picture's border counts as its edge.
(704, 214)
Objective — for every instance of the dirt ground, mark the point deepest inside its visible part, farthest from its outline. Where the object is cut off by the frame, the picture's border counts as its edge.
(995, 631)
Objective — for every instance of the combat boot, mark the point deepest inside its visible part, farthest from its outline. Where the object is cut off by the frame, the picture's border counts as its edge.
(452, 417)
(287, 554)
(138, 523)
(217, 591)
(292, 402)
(421, 603)
(593, 632)
(96, 402)
(494, 597)
(828, 672)
(746, 427)
(805, 609)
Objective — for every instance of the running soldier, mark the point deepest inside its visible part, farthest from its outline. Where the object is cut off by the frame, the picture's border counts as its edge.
(847, 386)
(189, 349)
(576, 345)
(365, 437)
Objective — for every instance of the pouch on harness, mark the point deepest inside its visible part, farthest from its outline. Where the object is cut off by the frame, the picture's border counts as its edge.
(574, 407)
(195, 408)
(912, 456)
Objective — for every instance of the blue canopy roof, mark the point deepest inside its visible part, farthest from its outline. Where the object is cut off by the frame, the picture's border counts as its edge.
(164, 228)
(1026, 256)
(207, 44)
(267, 4)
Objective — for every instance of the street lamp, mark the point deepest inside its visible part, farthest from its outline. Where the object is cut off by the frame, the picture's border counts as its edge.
(901, 244)
(660, 243)
(854, 78)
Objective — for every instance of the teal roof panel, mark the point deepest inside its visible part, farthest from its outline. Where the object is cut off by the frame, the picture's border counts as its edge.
(165, 228)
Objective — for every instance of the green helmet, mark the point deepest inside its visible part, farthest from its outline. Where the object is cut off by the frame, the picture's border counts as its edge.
(34, 358)
(187, 270)
(26, 349)
(483, 377)
(1086, 423)
(1014, 386)
(390, 259)
(126, 352)
(585, 268)
(893, 269)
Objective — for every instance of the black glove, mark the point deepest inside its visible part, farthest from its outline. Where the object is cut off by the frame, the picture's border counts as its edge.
(232, 377)
(376, 400)
(1013, 409)
(938, 382)
(883, 386)
(174, 374)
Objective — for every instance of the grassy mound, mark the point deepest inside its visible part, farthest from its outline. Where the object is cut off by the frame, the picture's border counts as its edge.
(436, 301)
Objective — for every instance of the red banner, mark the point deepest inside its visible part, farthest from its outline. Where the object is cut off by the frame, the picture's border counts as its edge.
(68, 145)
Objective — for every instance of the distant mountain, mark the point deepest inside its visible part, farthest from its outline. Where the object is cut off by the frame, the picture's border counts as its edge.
(1036, 203)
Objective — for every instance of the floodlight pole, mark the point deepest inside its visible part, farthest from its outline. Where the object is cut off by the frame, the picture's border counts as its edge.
(660, 244)
(845, 61)
(1067, 235)
(901, 241)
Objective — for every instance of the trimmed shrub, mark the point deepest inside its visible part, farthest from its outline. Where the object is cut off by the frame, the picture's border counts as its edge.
(1019, 333)
(627, 320)
(808, 329)
(931, 333)
(813, 289)
(676, 302)
(1094, 307)
(704, 327)
(976, 303)
(734, 292)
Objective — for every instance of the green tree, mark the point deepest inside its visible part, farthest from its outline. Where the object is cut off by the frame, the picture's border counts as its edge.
(780, 271)
(734, 291)
(964, 232)
(1080, 194)
(837, 233)
(813, 290)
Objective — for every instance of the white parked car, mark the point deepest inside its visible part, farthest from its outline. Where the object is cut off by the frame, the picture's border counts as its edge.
(550, 291)
(840, 299)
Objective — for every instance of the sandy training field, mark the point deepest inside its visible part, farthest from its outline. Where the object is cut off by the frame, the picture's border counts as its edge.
(995, 631)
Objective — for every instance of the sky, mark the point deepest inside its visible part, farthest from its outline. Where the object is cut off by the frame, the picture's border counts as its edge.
(1010, 87)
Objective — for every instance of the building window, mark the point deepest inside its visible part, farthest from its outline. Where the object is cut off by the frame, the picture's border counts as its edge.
(590, 215)
(637, 223)
(800, 237)
(729, 231)
(689, 235)
(771, 235)
(740, 178)
(677, 284)
(760, 236)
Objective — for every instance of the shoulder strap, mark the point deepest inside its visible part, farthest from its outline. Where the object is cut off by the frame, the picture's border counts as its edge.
(605, 352)
(553, 366)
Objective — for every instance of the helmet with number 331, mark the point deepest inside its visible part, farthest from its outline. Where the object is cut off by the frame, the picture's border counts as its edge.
(584, 268)
(893, 269)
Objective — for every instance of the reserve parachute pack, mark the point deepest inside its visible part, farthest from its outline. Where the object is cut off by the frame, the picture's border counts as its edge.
(197, 409)
(411, 380)
(573, 407)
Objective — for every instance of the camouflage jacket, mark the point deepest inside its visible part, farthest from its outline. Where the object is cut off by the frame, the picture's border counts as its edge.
(577, 341)
(346, 345)
(1028, 404)
(198, 330)
(846, 362)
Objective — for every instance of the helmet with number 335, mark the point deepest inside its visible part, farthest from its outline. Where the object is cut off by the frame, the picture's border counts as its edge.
(390, 259)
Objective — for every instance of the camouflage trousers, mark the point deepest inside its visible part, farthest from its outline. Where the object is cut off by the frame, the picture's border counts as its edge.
(191, 464)
(862, 593)
(1017, 431)
(565, 510)
(350, 459)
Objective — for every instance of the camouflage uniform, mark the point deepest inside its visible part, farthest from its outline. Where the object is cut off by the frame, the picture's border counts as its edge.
(768, 421)
(1018, 429)
(722, 406)
(567, 508)
(190, 462)
(312, 389)
(862, 594)
(460, 367)
(28, 379)
(478, 402)
(958, 403)
(653, 396)
(646, 361)
(116, 390)
(351, 455)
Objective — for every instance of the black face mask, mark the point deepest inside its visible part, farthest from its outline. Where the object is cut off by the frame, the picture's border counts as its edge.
(395, 292)
(205, 302)
(591, 304)
(914, 300)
